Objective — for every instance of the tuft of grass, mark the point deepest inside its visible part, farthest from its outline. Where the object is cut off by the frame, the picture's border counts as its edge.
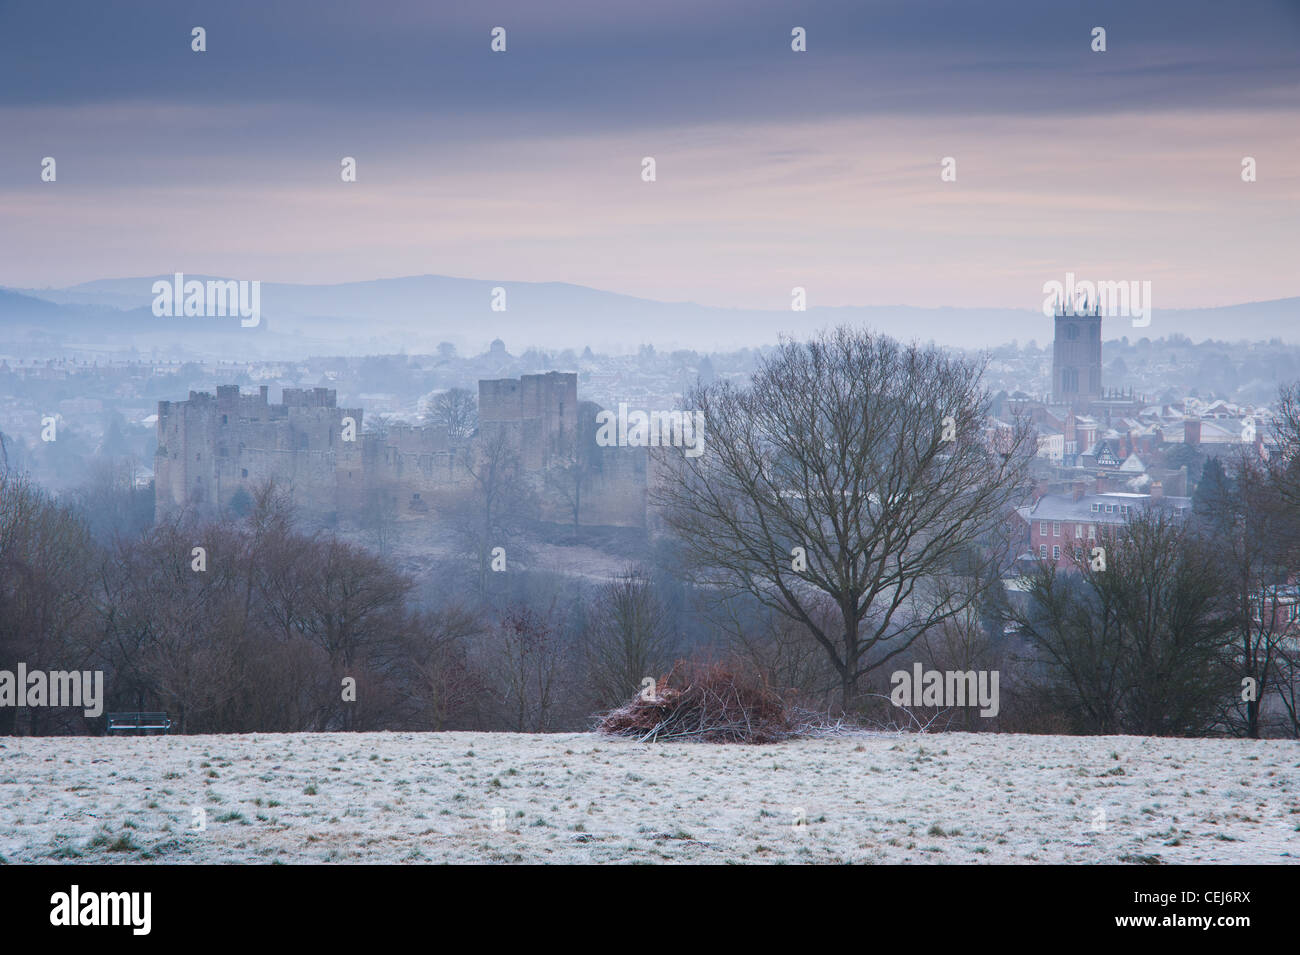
(123, 842)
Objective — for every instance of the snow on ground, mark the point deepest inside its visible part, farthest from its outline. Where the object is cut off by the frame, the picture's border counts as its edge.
(501, 797)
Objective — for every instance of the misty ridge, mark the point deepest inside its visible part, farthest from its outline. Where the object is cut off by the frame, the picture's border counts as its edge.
(415, 313)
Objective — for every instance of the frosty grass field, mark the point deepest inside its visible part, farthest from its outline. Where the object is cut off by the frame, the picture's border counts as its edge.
(430, 797)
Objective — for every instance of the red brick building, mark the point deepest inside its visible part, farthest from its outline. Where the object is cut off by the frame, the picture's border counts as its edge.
(1062, 525)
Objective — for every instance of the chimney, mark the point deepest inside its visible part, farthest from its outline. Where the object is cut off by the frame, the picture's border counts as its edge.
(1191, 431)
(1078, 491)
(1157, 491)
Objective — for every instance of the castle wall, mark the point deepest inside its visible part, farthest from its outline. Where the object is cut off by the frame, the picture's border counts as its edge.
(544, 406)
(210, 447)
(413, 464)
(615, 489)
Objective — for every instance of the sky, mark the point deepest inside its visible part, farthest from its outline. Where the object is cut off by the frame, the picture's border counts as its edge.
(774, 168)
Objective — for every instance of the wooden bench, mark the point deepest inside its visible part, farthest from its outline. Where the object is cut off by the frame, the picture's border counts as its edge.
(137, 722)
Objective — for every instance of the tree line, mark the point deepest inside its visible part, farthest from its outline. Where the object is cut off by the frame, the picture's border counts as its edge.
(855, 514)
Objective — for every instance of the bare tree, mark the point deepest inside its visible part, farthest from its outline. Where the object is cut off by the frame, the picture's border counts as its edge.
(456, 410)
(46, 612)
(439, 682)
(856, 469)
(568, 478)
(1288, 680)
(1136, 647)
(962, 643)
(379, 517)
(1247, 524)
(526, 658)
(498, 503)
(627, 638)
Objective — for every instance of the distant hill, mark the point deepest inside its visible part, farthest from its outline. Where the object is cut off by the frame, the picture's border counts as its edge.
(416, 312)
(53, 316)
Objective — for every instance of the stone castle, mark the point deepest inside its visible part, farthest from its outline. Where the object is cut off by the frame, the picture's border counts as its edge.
(210, 448)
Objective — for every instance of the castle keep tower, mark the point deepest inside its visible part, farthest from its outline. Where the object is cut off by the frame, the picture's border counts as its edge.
(1076, 354)
(541, 409)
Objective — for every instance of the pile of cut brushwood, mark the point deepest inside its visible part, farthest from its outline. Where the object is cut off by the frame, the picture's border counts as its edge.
(707, 703)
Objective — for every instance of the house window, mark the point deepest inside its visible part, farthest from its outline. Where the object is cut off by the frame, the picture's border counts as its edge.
(1056, 528)
(1096, 508)
(1078, 552)
(1042, 551)
(1042, 528)
(1078, 532)
(1110, 508)
(1092, 532)
(1056, 552)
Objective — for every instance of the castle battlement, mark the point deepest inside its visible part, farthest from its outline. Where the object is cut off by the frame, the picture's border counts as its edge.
(213, 447)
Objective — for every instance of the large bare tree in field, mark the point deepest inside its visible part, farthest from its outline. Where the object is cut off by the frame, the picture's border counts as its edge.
(854, 469)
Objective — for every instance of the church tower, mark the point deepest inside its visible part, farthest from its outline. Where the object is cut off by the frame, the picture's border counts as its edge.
(1076, 353)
